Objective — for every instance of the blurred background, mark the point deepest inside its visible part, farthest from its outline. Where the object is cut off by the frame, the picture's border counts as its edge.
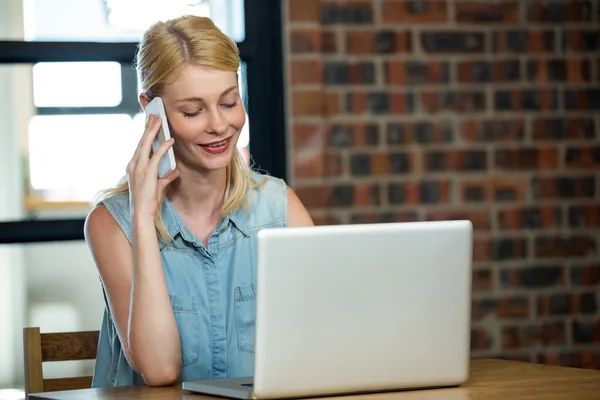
(372, 110)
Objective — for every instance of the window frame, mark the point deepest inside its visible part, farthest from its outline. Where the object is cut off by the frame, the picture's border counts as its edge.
(262, 52)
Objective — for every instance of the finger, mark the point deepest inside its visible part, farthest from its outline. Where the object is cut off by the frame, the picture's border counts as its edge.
(168, 179)
(159, 153)
(145, 143)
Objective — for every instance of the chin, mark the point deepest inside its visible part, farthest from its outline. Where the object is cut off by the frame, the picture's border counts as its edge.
(215, 162)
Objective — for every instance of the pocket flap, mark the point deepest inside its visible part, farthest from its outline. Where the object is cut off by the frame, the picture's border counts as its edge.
(243, 293)
(183, 303)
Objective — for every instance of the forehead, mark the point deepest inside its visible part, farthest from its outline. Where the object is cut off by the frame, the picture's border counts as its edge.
(200, 81)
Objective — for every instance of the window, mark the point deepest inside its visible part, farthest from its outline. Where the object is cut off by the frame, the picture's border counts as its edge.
(121, 20)
(85, 134)
(81, 34)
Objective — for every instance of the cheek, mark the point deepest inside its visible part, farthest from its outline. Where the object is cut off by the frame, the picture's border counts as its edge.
(185, 128)
(238, 118)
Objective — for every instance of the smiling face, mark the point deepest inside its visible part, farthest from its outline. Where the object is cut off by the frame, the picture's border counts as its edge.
(206, 116)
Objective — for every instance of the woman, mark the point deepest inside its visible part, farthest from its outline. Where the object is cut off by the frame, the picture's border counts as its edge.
(177, 256)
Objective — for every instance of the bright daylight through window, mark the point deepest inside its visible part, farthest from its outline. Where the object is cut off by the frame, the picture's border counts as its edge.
(83, 117)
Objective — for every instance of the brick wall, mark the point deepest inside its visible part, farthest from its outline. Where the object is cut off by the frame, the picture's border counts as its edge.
(485, 110)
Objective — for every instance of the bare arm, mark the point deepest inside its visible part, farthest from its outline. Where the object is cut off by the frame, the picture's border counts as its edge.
(297, 214)
(133, 274)
(137, 294)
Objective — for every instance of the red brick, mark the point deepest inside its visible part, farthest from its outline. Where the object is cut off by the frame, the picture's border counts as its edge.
(365, 194)
(533, 277)
(558, 129)
(309, 136)
(493, 130)
(585, 358)
(575, 70)
(359, 42)
(305, 41)
(529, 41)
(400, 104)
(529, 100)
(409, 12)
(306, 71)
(564, 187)
(365, 135)
(487, 12)
(395, 73)
(585, 275)
(346, 12)
(312, 163)
(455, 160)
(550, 333)
(565, 303)
(380, 163)
(366, 41)
(374, 218)
(329, 42)
(402, 72)
(480, 339)
(584, 216)
(513, 307)
(456, 101)
(552, 12)
(403, 42)
(534, 217)
(526, 158)
(359, 102)
(303, 10)
(581, 40)
(315, 103)
(308, 164)
(493, 189)
(479, 218)
(583, 157)
(482, 280)
(482, 249)
(314, 196)
(564, 246)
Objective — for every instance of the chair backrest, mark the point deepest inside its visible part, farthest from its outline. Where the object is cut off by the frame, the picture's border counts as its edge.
(66, 346)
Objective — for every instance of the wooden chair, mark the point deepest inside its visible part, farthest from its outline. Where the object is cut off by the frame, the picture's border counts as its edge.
(67, 346)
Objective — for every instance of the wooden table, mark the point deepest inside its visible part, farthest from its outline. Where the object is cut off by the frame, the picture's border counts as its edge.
(490, 379)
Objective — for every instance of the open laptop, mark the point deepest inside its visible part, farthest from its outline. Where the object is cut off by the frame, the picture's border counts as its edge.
(356, 309)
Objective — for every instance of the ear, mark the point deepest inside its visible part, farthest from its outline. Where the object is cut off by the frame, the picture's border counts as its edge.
(144, 100)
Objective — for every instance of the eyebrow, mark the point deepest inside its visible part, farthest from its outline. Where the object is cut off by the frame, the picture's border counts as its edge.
(200, 99)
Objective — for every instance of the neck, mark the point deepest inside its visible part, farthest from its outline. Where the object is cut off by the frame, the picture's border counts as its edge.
(198, 193)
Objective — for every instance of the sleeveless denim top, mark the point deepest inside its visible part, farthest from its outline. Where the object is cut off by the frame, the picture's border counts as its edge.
(212, 290)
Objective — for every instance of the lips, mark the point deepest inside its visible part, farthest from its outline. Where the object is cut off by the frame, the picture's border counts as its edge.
(216, 147)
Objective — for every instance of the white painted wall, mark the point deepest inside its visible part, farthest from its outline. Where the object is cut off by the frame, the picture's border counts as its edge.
(51, 285)
(12, 282)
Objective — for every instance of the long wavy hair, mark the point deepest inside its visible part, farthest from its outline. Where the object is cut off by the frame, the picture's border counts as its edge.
(164, 49)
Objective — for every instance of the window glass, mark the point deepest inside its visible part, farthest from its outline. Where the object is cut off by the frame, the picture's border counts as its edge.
(121, 20)
(77, 84)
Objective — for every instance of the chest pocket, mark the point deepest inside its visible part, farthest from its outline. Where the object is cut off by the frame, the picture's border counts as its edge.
(186, 317)
(245, 317)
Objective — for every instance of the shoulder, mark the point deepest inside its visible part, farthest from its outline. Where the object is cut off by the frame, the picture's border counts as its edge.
(109, 216)
(297, 213)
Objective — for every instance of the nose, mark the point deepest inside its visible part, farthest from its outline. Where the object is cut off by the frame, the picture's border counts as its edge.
(217, 125)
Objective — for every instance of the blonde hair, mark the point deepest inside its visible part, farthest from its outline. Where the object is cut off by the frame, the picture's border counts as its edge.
(164, 49)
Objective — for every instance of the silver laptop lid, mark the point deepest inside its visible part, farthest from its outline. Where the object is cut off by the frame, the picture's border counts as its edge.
(355, 308)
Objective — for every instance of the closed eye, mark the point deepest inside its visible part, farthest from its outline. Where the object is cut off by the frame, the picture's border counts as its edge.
(230, 105)
(190, 115)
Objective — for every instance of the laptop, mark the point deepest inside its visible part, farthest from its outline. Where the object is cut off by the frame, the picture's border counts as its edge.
(351, 309)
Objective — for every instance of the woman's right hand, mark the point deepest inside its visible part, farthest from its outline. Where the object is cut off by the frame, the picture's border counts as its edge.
(145, 187)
